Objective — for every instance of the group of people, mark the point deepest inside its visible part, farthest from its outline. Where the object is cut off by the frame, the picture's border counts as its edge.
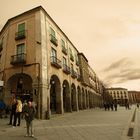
(112, 106)
(26, 110)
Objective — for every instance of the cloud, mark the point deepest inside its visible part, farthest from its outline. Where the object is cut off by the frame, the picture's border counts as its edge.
(121, 71)
(124, 62)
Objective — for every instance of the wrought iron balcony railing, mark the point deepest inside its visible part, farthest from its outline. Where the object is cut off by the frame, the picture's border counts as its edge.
(73, 74)
(53, 40)
(20, 35)
(55, 62)
(64, 50)
(78, 77)
(66, 69)
(18, 59)
(71, 57)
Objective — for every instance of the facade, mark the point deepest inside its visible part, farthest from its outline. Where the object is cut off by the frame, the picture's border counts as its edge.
(38, 61)
(119, 94)
(134, 97)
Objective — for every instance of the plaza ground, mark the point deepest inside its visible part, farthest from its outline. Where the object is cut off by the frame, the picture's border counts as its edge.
(92, 124)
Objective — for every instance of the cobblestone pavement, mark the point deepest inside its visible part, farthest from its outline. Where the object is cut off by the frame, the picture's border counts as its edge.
(92, 124)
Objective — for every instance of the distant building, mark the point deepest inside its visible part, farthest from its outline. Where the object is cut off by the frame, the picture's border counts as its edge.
(39, 62)
(134, 97)
(119, 94)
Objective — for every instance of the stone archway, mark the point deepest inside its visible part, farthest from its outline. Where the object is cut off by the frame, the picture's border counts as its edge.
(79, 98)
(87, 100)
(84, 99)
(20, 85)
(73, 98)
(55, 95)
(66, 97)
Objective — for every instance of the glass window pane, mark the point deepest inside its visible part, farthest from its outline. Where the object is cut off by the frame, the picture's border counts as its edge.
(52, 32)
(20, 48)
(21, 27)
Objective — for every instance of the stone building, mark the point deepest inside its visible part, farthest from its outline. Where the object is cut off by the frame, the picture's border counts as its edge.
(119, 94)
(39, 62)
(134, 97)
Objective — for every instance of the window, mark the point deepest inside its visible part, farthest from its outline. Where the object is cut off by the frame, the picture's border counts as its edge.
(20, 48)
(72, 67)
(62, 43)
(64, 50)
(21, 30)
(53, 55)
(20, 51)
(21, 27)
(77, 61)
(64, 61)
(53, 37)
(71, 55)
(53, 52)
(52, 32)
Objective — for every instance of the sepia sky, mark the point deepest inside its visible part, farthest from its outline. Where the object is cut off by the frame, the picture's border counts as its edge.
(106, 31)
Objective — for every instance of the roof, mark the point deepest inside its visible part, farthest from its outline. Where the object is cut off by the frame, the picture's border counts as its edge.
(117, 88)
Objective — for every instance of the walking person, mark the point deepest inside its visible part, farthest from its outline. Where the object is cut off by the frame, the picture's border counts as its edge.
(18, 111)
(24, 106)
(115, 106)
(13, 112)
(29, 117)
(137, 105)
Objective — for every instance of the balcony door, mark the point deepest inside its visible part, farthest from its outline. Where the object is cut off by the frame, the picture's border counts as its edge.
(20, 52)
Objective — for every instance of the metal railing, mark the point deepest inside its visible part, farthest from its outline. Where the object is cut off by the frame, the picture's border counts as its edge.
(18, 59)
(20, 35)
(55, 62)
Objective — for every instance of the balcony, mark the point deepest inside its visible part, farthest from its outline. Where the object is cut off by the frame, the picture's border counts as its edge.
(20, 35)
(71, 57)
(18, 59)
(78, 77)
(55, 62)
(73, 74)
(77, 62)
(66, 69)
(53, 40)
(64, 50)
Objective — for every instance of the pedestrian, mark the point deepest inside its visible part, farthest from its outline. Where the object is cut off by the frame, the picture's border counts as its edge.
(115, 106)
(13, 112)
(24, 106)
(18, 112)
(112, 106)
(29, 117)
(137, 105)
(2, 108)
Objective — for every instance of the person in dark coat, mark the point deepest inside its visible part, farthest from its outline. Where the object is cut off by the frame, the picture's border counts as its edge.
(29, 117)
(13, 112)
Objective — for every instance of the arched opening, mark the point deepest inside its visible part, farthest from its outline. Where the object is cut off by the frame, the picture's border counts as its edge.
(79, 98)
(22, 87)
(73, 98)
(66, 97)
(87, 100)
(55, 95)
(84, 99)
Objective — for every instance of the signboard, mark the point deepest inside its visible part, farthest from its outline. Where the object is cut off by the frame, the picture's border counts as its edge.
(1, 83)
